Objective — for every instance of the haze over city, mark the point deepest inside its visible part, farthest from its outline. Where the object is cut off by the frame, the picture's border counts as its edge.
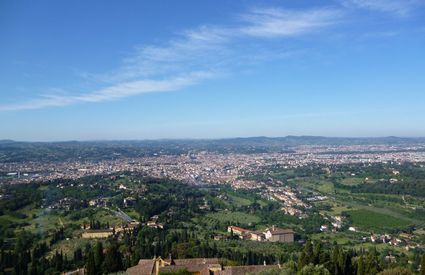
(209, 69)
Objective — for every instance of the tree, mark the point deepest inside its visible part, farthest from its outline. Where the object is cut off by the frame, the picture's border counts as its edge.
(273, 271)
(98, 256)
(314, 270)
(396, 271)
(422, 270)
(347, 267)
(113, 262)
(33, 269)
(360, 266)
(78, 256)
(317, 252)
(91, 266)
(336, 260)
(307, 255)
(371, 263)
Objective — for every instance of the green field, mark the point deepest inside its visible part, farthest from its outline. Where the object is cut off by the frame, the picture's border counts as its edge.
(352, 181)
(325, 187)
(67, 247)
(239, 201)
(369, 220)
(234, 217)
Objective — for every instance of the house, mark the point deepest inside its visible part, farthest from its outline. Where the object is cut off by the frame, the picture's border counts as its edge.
(122, 187)
(129, 201)
(237, 230)
(246, 234)
(279, 235)
(256, 236)
(248, 269)
(337, 225)
(153, 224)
(205, 207)
(384, 239)
(197, 266)
(220, 237)
(99, 202)
(97, 234)
(406, 235)
(395, 242)
(146, 267)
(390, 259)
(273, 234)
(79, 271)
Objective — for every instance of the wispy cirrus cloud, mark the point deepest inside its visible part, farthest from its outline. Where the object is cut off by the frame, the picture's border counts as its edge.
(213, 47)
(280, 23)
(191, 56)
(191, 50)
(401, 8)
(110, 93)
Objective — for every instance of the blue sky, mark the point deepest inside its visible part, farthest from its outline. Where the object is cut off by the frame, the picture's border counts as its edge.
(82, 70)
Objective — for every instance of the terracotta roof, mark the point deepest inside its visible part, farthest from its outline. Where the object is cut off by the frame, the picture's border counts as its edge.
(239, 229)
(144, 267)
(99, 231)
(195, 261)
(279, 231)
(240, 270)
(189, 268)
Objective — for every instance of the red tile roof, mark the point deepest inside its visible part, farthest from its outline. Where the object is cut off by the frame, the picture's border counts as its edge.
(144, 267)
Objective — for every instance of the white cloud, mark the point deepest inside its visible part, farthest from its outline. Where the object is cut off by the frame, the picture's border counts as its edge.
(281, 23)
(114, 92)
(144, 86)
(191, 56)
(400, 8)
(213, 47)
(192, 50)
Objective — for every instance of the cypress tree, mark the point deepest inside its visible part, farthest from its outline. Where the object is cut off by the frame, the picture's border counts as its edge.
(307, 255)
(98, 255)
(422, 270)
(78, 255)
(33, 269)
(372, 263)
(360, 266)
(336, 258)
(317, 252)
(347, 266)
(113, 262)
(91, 266)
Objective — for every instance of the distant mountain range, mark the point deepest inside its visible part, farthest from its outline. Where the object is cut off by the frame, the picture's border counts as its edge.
(6, 141)
(17, 151)
(261, 140)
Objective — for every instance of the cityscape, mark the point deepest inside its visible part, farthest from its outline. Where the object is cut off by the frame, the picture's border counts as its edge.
(209, 167)
(289, 197)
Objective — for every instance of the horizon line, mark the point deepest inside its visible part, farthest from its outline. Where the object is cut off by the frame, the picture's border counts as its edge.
(207, 139)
